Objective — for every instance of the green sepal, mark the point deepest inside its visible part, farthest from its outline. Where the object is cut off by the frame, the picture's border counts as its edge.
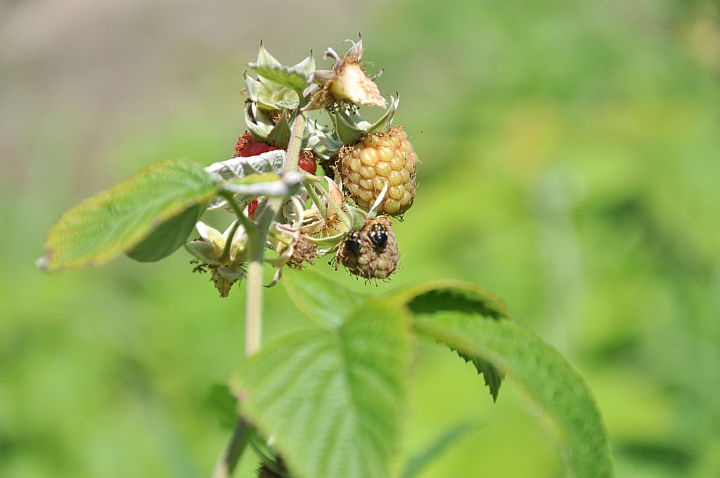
(270, 96)
(265, 58)
(296, 77)
(264, 129)
(167, 237)
(350, 127)
(257, 121)
(278, 87)
(357, 217)
(323, 142)
(279, 135)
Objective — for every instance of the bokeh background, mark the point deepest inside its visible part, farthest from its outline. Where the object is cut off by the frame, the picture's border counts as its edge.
(571, 164)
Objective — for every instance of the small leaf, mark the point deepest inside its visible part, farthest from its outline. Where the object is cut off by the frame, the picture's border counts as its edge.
(551, 383)
(320, 298)
(167, 237)
(279, 135)
(434, 298)
(269, 95)
(307, 65)
(332, 399)
(116, 220)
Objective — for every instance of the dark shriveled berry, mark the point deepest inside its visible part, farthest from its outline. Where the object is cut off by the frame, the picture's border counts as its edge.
(373, 258)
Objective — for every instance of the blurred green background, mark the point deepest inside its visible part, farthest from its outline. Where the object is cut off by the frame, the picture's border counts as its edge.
(571, 161)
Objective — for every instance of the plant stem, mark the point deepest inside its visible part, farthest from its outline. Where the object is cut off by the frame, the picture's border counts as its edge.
(238, 441)
(295, 143)
(310, 187)
(257, 237)
(253, 304)
(253, 295)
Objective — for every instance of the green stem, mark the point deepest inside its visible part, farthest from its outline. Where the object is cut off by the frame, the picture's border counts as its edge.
(257, 237)
(310, 188)
(293, 150)
(242, 219)
(238, 442)
(257, 240)
(254, 292)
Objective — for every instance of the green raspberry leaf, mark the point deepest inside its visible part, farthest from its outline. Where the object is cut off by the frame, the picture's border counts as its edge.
(430, 299)
(321, 299)
(118, 219)
(332, 399)
(550, 382)
(167, 237)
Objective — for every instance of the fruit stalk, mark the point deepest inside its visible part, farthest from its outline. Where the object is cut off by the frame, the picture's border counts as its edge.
(257, 237)
(254, 287)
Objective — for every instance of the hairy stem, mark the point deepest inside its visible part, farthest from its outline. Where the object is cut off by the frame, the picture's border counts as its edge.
(254, 290)
(257, 238)
(254, 294)
(293, 150)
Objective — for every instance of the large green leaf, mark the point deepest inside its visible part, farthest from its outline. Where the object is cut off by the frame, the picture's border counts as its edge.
(552, 384)
(332, 399)
(320, 298)
(436, 297)
(116, 220)
(167, 237)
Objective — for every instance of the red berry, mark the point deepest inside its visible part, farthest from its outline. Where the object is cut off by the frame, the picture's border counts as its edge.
(251, 207)
(306, 161)
(246, 147)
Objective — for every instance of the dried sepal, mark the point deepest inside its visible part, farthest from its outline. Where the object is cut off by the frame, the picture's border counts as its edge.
(346, 82)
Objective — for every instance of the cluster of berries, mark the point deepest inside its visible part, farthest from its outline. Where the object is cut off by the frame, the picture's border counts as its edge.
(356, 173)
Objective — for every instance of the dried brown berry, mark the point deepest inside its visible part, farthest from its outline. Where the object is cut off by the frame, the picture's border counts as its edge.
(372, 252)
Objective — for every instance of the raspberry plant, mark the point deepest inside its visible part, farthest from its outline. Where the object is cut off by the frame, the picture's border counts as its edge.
(311, 178)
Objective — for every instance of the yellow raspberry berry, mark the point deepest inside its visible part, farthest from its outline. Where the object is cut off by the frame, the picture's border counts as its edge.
(377, 160)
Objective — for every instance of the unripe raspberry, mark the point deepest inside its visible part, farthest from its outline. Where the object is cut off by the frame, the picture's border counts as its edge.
(376, 160)
(372, 252)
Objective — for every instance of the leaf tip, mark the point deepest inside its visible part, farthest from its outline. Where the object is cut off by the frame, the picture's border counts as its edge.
(43, 262)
